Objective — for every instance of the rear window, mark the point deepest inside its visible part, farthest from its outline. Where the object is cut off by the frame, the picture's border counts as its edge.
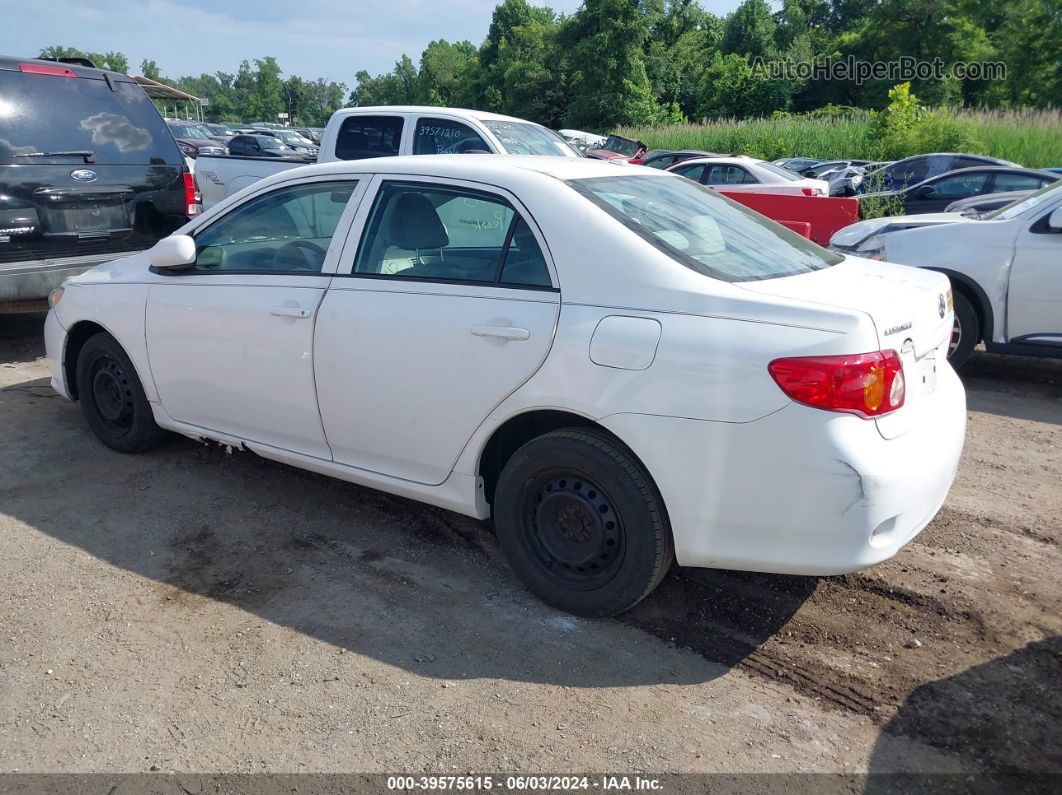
(368, 136)
(40, 114)
(703, 230)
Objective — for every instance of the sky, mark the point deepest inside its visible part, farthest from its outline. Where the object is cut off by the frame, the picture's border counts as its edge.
(311, 38)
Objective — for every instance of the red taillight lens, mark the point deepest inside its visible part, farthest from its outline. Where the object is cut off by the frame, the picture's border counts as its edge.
(191, 196)
(43, 69)
(867, 384)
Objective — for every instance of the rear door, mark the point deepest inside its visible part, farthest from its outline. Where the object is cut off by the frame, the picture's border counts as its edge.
(448, 307)
(87, 166)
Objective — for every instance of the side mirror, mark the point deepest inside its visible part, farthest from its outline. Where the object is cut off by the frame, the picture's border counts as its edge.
(1054, 220)
(925, 192)
(175, 251)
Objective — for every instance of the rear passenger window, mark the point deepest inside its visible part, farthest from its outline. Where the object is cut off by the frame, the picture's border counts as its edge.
(368, 136)
(439, 233)
(524, 264)
(443, 136)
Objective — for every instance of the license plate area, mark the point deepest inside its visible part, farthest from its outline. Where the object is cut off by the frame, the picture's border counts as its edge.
(73, 212)
(927, 370)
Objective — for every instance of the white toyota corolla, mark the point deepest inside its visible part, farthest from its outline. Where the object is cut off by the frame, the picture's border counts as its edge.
(621, 367)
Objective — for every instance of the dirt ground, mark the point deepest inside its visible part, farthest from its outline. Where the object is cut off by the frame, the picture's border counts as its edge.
(196, 611)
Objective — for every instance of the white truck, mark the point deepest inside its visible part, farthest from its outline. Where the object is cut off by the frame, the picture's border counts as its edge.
(1005, 268)
(356, 133)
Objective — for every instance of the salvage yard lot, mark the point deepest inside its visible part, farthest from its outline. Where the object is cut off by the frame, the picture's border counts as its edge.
(193, 610)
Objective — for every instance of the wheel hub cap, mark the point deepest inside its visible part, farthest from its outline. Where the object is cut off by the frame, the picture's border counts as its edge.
(576, 526)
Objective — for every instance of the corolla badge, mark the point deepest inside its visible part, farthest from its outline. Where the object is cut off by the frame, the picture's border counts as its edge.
(83, 174)
(942, 305)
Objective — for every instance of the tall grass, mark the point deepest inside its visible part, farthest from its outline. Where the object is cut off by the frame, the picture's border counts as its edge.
(1030, 137)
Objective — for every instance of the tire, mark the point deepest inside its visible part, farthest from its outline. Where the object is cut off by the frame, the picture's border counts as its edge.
(581, 523)
(967, 331)
(112, 397)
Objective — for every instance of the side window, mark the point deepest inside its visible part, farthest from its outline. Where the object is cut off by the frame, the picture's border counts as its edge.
(524, 263)
(1007, 182)
(693, 172)
(287, 230)
(746, 178)
(440, 233)
(909, 173)
(960, 186)
(443, 136)
(368, 136)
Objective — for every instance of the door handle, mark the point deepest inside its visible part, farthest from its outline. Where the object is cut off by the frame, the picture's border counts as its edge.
(289, 311)
(502, 332)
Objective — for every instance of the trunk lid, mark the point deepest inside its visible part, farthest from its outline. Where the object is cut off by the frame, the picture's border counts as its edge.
(910, 308)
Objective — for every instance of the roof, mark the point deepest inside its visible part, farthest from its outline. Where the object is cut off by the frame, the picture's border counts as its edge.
(12, 63)
(479, 115)
(489, 169)
(157, 90)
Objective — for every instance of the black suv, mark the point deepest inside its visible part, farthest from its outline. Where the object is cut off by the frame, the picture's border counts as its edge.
(88, 172)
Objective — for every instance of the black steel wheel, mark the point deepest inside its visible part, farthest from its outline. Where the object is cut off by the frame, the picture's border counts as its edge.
(581, 523)
(965, 333)
(112, 397)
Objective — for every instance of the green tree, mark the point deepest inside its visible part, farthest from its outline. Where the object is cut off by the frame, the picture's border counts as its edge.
(448, 74)
(1030, 43)
(150, 70)
(749, 30)
(731, 88)
(609, 84)
(114, 61)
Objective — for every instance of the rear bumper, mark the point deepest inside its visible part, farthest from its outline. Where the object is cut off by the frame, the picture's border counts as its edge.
(801, 491)
(33, 280)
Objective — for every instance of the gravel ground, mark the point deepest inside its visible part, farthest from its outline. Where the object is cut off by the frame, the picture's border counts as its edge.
(196, 611)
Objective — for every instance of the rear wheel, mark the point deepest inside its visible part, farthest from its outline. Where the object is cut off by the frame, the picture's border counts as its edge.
(581, 524)
(966, 332)
(113, 399)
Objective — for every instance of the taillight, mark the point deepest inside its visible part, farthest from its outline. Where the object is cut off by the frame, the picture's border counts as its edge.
(44, 69)
(866, 384)
(191, 196)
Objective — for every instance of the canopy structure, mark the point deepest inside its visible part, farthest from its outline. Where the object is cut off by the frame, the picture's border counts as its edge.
(169, 94)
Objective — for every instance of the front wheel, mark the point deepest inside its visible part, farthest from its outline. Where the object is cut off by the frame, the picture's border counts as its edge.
(581, 523)
(966, 332)
(113, 399)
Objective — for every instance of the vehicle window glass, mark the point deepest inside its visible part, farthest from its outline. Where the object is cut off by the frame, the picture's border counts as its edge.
(779, 172)
(703, 230)
(1044, 196)
(434, 232)
(743, 177)
(523, 138)
(268, 143)
(368, 136)
(44, 114)
(959, 186)
(967, 162)
(1005, 182)
(908, 172)
(286, 230)
(691, 172)
(524, 263)
(443, 136)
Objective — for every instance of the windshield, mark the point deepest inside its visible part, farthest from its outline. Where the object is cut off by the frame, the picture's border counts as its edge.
(268, 143)
(621, 145)
(522, 138)
(781, 172)
(1016, 208)
(704, 230)
(189, 131)
(291, 138)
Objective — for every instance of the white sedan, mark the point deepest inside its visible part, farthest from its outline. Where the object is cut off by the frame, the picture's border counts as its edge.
(744, 174)
(622, 368)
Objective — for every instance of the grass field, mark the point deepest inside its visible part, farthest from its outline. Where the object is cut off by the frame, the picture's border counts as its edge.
(1032, 137)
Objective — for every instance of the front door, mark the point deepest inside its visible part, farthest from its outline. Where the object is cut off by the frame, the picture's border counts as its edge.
(448, 307)
(230, 340)
(1034, 300)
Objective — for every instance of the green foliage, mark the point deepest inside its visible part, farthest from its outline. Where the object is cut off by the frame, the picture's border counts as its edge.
(114, 61)
(651, 62)
(1030, 137)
